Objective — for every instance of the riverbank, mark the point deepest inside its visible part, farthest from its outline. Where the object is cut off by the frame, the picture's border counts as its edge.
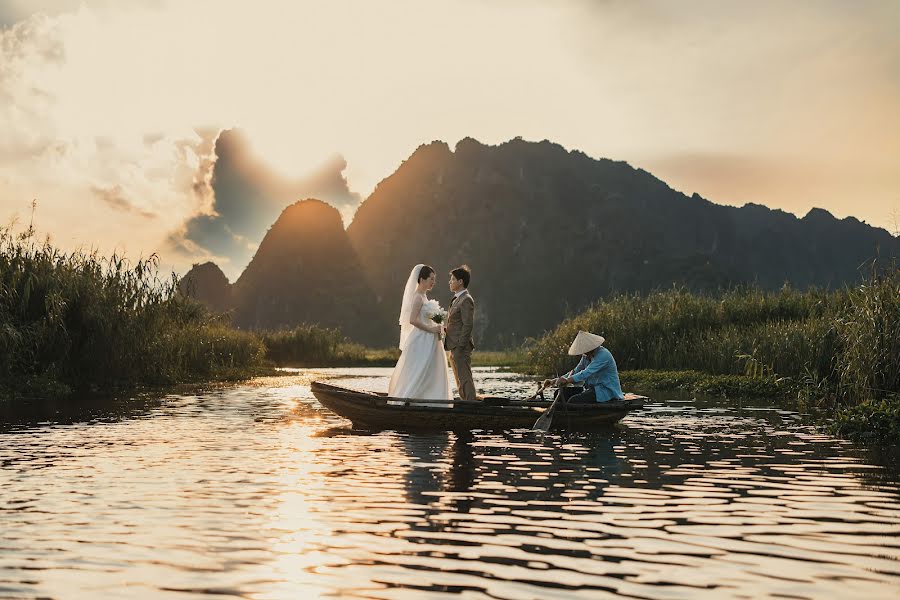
(839, 350)
(78, 324)
(349, 354)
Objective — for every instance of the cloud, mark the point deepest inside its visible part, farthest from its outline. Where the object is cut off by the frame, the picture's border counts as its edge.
(795, 186)
(118, 184)
(107, 126)
(114, 196)
(14, 11)
(792, 104)
(247, 196)
(93, 96)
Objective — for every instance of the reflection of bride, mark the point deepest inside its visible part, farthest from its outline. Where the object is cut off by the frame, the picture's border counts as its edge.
(421, 371)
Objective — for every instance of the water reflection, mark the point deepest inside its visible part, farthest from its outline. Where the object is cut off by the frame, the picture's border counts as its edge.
(461, 476)
(28, 413)
(258, 492)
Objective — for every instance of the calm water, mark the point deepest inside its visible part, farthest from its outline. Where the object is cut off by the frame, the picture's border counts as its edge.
(257, 492)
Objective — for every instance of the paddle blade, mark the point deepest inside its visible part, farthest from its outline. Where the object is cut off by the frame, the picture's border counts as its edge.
(545, 420)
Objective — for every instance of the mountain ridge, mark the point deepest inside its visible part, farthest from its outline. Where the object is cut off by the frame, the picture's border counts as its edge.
(549, 230)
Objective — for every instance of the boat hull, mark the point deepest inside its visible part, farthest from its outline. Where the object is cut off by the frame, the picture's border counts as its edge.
(377, 412)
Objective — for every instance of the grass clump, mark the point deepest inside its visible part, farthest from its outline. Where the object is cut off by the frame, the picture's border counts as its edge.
(838, 348)
(732, 333)
(726, 386)
(870, 421)
(311, 345)
(77, 322)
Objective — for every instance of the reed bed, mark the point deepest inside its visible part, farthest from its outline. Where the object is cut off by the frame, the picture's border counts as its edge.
(77, 322)
(311, 345)
(842, 345)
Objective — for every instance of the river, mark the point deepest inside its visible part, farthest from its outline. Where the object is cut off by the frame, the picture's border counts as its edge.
(256, 491)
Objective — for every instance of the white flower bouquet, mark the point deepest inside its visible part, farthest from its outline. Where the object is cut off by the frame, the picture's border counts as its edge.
(435, 312)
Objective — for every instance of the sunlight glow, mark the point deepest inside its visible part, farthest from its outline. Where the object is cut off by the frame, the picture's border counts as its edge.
(736, 102)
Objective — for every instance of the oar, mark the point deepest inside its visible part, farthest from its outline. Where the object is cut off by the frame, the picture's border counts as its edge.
(544, 421)
(540, 391)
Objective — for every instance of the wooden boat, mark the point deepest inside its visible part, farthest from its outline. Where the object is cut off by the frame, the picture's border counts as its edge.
(370, 410)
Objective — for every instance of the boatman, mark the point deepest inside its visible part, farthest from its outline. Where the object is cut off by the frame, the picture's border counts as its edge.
(596, 372)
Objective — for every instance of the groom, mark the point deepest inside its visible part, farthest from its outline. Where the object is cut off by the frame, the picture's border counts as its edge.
(458, 332)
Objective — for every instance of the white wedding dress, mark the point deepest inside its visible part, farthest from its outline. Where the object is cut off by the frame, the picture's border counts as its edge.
(421, 372)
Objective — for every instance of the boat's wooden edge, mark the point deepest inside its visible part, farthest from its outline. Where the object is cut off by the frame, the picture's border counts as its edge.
(631, 401)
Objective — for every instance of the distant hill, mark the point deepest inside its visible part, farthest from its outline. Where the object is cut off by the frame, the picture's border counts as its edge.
(207, 283)
(546, 232)
(306, 270)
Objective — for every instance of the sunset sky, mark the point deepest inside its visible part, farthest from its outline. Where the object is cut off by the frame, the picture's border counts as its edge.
(110, 108)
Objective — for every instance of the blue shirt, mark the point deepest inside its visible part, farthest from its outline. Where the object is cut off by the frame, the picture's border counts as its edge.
(599, 373)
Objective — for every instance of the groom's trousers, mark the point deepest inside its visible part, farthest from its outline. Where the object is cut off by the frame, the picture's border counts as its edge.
(461, 361)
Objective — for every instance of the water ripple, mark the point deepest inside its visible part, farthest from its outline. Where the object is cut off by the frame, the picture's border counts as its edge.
(256, 491)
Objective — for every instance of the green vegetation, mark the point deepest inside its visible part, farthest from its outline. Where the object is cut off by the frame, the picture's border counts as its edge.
(313, 346)
(870, 420)
(741, 330)
(382, 357)
(728, 386)
(80, 323)
(76, 322)
(310, 345)
(516, 360)
(840, 349)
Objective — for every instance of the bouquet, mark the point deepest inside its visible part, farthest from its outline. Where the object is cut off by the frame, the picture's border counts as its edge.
(435, 312)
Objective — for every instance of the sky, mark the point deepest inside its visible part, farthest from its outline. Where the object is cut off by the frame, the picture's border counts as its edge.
(112, 113)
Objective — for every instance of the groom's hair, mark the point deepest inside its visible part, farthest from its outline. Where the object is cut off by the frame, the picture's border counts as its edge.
(463, 274)
(425, 272)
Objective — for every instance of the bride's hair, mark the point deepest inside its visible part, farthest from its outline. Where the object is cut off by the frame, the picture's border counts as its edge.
(425, 273)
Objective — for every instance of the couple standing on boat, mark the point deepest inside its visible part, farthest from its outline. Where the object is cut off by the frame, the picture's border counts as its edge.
(421, 371)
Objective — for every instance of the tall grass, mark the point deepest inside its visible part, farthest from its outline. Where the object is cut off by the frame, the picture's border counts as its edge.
(868, 332)
(845, 342)
(311, 345)
(73, 322)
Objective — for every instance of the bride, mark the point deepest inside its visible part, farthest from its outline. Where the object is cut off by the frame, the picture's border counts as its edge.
(421, 372)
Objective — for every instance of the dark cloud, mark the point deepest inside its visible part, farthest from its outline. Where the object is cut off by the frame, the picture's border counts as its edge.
(114, 196)
(247, 197)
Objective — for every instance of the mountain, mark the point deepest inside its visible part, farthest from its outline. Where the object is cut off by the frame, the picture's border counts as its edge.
(306, 270)
(207, 283)
(546, 231)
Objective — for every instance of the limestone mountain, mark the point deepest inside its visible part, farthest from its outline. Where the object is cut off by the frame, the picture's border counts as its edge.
(547, 231)
(306, 271)
(207, 283)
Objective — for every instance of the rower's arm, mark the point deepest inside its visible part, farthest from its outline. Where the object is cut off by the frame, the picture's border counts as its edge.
(598, 364)
(581, 365)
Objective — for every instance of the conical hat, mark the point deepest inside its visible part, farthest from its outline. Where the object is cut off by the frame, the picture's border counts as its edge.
(585, 342)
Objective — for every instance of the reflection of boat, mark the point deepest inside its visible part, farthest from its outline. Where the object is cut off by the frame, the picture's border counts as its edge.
(369, 410)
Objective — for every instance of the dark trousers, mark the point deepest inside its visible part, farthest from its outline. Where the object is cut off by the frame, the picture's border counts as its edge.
(579, 395)
(461, 361)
